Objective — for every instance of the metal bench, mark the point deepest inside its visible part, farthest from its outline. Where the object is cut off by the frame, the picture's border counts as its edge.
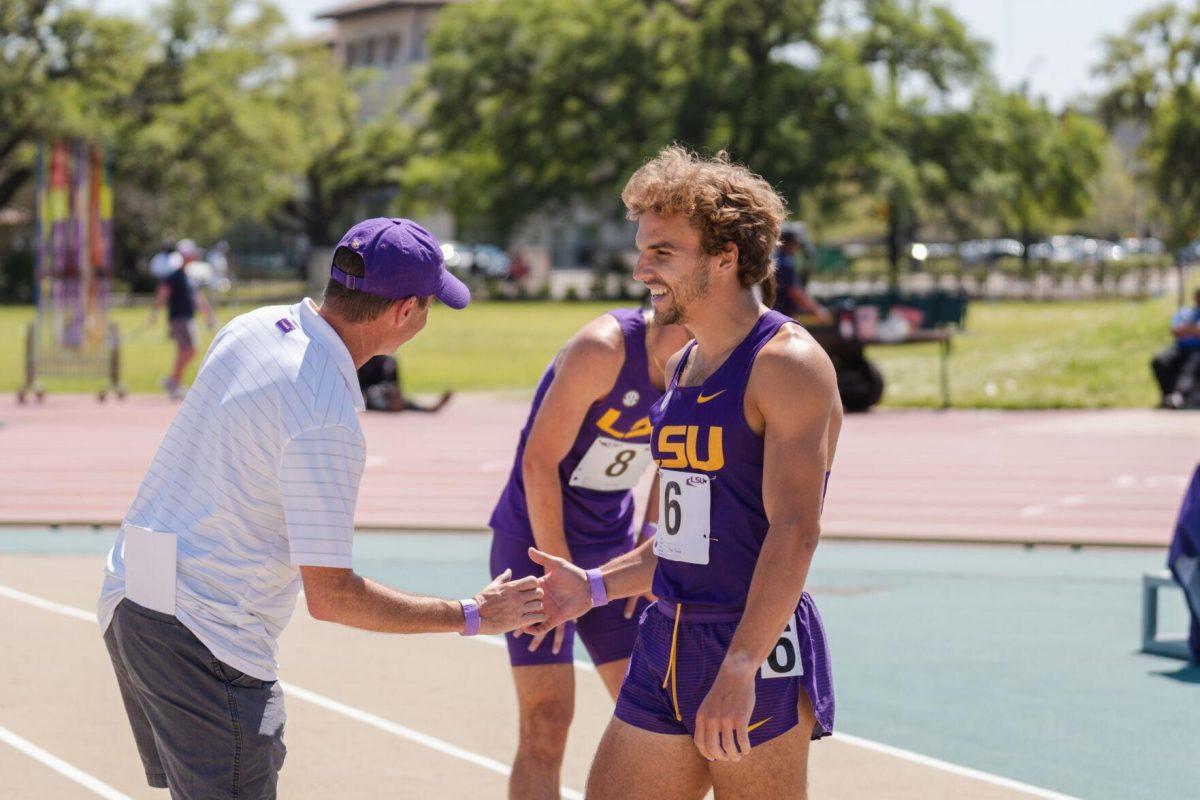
(1171, 646)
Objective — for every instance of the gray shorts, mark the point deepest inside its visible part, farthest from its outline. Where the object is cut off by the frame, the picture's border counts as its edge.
(183, 331)
(202, 728)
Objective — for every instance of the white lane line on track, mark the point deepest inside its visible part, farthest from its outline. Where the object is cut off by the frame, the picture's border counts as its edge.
(300, 693)
(404, 732)
(887, 749)
(55, 763)
(503, 769)
(47, 605)
(946, 766)
(1070, 501)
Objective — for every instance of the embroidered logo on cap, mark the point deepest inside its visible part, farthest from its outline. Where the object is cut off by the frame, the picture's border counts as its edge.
(285, 325)
(355, 243)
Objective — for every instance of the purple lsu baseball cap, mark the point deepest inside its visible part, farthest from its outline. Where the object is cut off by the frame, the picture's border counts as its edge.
(400, 259)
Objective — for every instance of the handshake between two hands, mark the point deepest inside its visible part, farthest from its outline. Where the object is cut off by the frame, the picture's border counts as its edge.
(532, 605)
(537, 606)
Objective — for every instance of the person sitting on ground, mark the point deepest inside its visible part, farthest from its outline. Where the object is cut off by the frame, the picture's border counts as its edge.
(1177, 368)
(792, 296)
(379, 380)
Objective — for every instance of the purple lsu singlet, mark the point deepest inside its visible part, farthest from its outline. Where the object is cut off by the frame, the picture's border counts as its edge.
(609, 455)
(711, 520)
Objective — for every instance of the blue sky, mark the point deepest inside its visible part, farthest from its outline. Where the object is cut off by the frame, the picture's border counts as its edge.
(1051, 43)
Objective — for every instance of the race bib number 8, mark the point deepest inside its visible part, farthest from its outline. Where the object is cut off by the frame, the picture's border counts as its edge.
(684, 509)
(784, 661)
(611, 466)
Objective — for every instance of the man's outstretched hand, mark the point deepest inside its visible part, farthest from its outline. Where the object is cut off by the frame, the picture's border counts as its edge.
(506, 605)
(566, 593)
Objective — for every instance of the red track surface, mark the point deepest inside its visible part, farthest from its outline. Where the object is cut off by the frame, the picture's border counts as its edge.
(1088, 477)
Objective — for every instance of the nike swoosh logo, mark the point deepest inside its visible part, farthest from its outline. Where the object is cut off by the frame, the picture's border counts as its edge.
(702, 399)
(757, 724)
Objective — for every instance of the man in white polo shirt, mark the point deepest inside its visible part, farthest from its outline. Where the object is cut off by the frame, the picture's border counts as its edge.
(252, 494)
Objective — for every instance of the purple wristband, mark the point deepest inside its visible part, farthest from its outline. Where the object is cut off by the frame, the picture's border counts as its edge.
(470, 617)
(599, 592)
(648, 530)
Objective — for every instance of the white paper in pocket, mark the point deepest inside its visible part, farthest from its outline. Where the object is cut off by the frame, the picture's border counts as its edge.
(150, 568)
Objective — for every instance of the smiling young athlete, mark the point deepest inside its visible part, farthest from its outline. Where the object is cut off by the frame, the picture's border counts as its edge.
(730, 675)
(584, 447)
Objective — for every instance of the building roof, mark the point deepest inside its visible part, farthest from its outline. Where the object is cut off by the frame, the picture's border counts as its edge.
(322, 37)
(358, 8)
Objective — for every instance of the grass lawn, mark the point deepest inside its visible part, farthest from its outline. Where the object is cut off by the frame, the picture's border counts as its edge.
(1012, 355)
(1039, 355)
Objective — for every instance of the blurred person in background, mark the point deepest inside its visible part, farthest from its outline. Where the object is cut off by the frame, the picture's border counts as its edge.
(518, 270)
(218, 258)
(1177, 367)
(792, 296)
(175, 291)
(166, 260)
(379, 380)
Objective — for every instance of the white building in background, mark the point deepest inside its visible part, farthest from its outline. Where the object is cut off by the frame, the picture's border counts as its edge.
(387, 36)
(390, 37)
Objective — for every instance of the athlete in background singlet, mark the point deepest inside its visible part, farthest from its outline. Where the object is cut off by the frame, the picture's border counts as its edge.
(584, 447)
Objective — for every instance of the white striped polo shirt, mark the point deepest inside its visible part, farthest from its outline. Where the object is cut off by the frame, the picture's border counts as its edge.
(257, 476)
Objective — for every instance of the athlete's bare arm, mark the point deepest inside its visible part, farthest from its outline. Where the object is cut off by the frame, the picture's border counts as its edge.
(792, 402)
(651, 515)
(206, 309)
(806, 303)
(161, 292)
(585, 371)
(1185, 329)
(567, 592)
(340, 595)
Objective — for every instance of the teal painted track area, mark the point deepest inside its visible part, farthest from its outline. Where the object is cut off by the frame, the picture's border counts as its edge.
(1019, 662)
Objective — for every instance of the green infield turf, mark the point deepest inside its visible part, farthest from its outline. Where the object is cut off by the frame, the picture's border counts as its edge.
(1011, 355)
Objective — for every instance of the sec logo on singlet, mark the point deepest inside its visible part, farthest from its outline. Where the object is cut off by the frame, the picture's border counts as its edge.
(630, 399)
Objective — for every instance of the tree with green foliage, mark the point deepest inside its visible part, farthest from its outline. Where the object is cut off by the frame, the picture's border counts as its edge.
(205, 139)
(1041, 166)
(919, 157)
(535, 104)
(1118, 199)
(213, 117)
(64, 71)
(765, 84)
(538, 103)
(342, 157)
(1153, 71)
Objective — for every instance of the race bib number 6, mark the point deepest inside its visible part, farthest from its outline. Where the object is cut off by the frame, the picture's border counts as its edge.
(684, 509)
(784, 661)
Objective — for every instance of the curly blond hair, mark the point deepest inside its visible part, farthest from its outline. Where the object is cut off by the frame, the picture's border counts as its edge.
(726, 201)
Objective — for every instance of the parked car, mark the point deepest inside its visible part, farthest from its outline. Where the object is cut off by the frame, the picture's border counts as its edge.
(1190, 252)
(977, 250)
(1149, 246)
(937, 250)
(486, 260)
(458, 257)
(1077, 249)
(491, 261)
